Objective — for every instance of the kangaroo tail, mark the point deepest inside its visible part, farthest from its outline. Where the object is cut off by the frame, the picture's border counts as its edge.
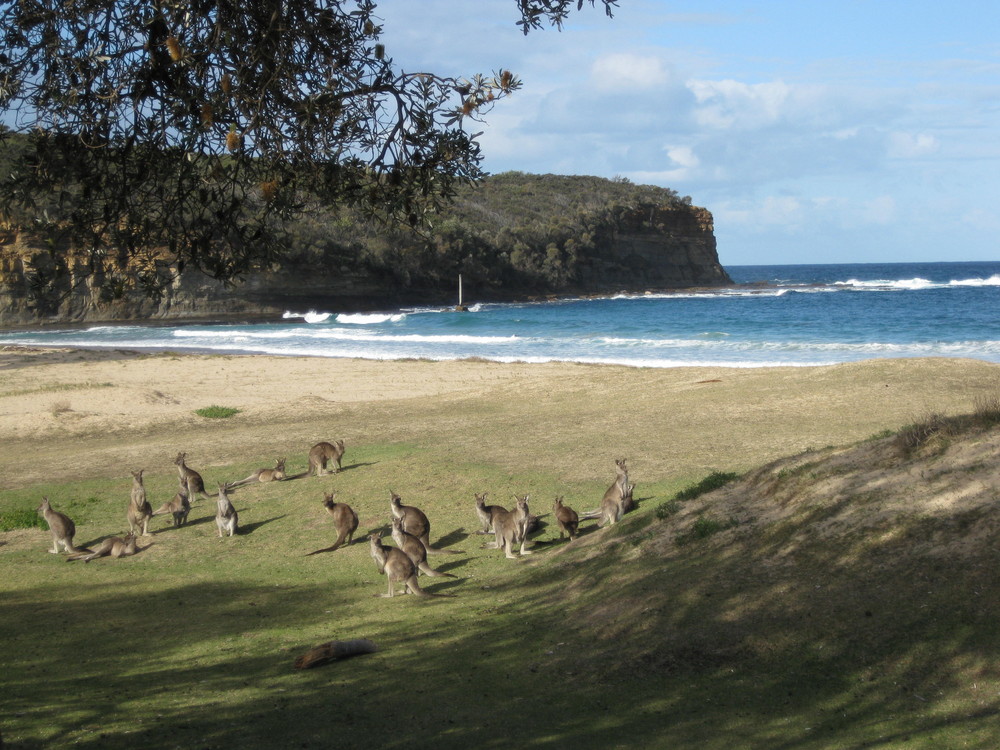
(339, 542)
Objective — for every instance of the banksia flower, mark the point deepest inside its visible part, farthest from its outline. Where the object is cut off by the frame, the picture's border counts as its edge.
(226, 82)
(207, 115)
(233, 139)
(174, 48)
(268, 189)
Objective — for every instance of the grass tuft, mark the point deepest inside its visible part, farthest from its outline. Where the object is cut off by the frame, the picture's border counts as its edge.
(21, 518)
(217, 412)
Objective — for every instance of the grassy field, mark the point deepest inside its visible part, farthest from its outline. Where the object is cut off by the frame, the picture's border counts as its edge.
(785, 624)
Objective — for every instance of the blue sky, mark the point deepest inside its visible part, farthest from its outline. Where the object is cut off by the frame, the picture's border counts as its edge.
(816, 131)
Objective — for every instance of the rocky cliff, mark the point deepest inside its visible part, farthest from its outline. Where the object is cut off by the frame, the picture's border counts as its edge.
(659, 244)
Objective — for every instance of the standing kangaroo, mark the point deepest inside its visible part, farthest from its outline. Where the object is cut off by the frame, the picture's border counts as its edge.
(139, 510)
(190, 479)
(179, 507)
(323, 452)
(60, 525)
(264, 475)
(345, 521)
(415, 522)
(398, 568)
(414, 549)
(485, 513)
(226, 517)
(113, 546)
(510, 527)
(612, 504)
(566, 519)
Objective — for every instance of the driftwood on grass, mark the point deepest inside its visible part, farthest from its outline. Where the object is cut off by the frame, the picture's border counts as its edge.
(334, 650)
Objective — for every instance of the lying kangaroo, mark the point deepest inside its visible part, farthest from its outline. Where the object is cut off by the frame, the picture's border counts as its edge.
(566, 519)
(179, 507)
(226, 517)
(415, 522)
(510, 528)
(113, 546)
(345, 520)
(397, 568)
(414, 549)
(485, 513)
(139, 510)
(60, 525)
(323, 452)
(264, 475)
(190, 479)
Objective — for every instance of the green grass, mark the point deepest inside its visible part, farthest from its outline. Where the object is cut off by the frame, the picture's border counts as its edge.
(217, 412)
(600, 643)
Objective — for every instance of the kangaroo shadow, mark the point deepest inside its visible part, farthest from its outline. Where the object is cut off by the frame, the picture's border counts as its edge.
(452, 537)
(452, 564)
(252, 527)
(358, 465)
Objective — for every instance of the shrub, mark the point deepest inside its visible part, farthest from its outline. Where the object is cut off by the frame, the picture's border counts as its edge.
(712, 482)
(217, 412)
(21, 518)
(704, 527)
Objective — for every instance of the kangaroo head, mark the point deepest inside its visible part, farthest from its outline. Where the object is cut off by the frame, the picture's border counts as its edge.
(180, 459)
(328, 499)
(137, 475)
(394, 499)
(481, 499)
(558, 502)
(280, 464)
(44, 506)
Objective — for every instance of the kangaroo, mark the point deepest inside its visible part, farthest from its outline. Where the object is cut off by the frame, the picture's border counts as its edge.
(179, 507)
(114, 546)
(485, 513)
(617, 499)
(226, 517)
(510, 527)
(264, 475)
(566, 519)
(323, 452)
(139, 510)
(345, 520)
(61, 526)
(190, 479)
(397, 568)
(414, 549)
(612, 508)
(416, 523)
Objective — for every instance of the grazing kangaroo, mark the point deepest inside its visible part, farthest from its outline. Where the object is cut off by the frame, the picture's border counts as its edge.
(345, 520)
(264, 475)
(179, 507)
(486, 513)
(323, 452)
(566, 519)
(416, 523)
(60, 525)
(139, 510)
(414, 549)
(190, 479)
(226, 517)
(113, 546)
(510, 527)
(397, 568)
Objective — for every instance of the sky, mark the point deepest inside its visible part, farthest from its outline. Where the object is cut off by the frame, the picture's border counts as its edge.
(815, 131)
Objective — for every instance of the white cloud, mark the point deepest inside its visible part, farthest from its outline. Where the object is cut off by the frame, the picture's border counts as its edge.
(880, 210)
(911, 146)
(629, 72)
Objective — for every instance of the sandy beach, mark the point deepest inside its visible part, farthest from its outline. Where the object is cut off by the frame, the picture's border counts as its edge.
(69, 413)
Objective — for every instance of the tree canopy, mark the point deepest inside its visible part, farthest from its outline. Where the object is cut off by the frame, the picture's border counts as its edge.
(200, 129)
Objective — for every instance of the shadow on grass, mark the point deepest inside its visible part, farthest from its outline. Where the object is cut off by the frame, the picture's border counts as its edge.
(252, 527)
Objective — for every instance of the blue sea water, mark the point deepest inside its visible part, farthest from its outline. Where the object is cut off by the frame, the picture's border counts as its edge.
(775, 315)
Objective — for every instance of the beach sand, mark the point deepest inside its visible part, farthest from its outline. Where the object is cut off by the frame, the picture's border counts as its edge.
(68, 414)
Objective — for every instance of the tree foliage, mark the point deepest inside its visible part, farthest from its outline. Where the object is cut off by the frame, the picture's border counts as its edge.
(195, 131)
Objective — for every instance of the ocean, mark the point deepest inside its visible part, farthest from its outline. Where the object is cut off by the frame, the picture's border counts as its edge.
(787, 315)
